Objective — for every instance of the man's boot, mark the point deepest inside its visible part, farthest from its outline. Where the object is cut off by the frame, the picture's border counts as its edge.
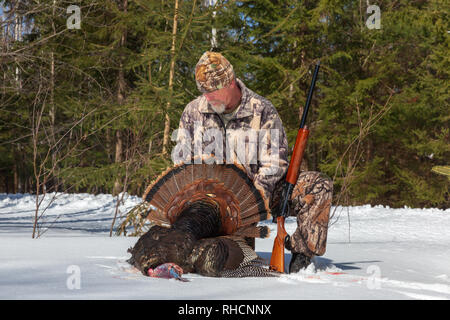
(298, 261)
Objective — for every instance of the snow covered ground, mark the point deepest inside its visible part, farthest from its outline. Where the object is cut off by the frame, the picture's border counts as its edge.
(372, 253)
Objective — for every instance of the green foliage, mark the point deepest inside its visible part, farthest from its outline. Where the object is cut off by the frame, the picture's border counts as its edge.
(379, 119)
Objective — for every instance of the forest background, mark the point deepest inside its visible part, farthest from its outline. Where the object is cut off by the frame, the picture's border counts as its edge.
(91, 91)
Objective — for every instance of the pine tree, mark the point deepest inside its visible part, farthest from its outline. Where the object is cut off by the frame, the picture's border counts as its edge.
(93, 108)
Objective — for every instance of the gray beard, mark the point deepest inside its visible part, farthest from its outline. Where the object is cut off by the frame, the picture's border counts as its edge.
(219, 108)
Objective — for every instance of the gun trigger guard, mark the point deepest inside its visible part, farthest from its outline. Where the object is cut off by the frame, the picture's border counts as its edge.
(287, 242)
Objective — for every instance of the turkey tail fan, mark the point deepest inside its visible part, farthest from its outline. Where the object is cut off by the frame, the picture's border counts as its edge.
(241, 202)
(152, 191)
(253, 232)
(154, 194)
(159, 218)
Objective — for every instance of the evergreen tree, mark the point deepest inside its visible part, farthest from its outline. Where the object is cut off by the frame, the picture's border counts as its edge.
(90, 109)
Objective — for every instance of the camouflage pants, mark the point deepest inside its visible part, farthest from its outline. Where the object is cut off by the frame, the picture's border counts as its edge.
(310, 203)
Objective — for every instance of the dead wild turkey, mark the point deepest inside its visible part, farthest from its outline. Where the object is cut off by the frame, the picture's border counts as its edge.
(203, 215)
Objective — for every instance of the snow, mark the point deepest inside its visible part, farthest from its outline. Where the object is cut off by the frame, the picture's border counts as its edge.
(372, 253)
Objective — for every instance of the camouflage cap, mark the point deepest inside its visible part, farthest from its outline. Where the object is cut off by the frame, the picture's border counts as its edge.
(213, 72)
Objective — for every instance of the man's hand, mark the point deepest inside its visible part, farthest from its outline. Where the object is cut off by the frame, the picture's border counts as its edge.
(277, 202)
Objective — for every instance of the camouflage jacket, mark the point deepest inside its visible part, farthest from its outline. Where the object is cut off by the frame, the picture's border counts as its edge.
(255, 138)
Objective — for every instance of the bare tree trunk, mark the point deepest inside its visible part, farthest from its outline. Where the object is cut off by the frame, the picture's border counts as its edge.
(214, 45)
(119, 147)
(120, 99)
(6, 184)
(108, 144)
(291, 86)
(16, 179)
(118, 159)
(5, 47)
(2, 38)
(161, 60)
(37, 171)
(171, 75)
(150, 73)
(18, 38)
(52, 104)
(28, 184)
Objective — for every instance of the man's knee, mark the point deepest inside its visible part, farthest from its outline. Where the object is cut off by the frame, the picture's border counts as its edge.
(312, 188)
(313, 182)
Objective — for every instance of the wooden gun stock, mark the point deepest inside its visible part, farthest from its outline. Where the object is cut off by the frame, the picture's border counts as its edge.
(277, 259)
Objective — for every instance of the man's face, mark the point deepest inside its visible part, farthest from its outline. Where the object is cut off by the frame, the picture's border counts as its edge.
(221, 100)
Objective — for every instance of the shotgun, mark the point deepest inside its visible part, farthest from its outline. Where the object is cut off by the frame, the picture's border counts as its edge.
(282, 239)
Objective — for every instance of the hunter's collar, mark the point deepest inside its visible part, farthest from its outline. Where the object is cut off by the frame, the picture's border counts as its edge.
(244, 108)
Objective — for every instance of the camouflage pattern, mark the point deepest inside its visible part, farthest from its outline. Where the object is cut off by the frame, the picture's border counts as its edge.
(213, 72)
(310, 203)
(254, 114)
(312, 195)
